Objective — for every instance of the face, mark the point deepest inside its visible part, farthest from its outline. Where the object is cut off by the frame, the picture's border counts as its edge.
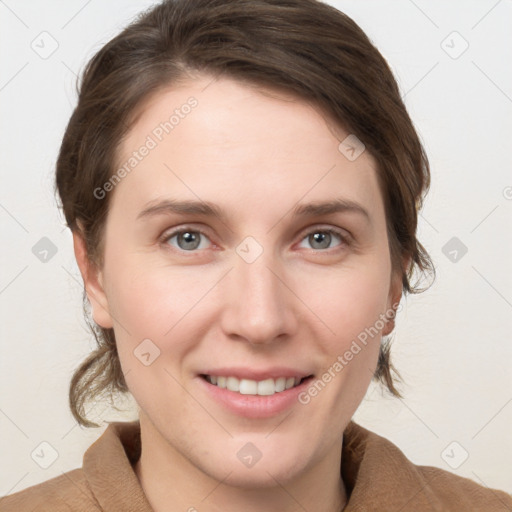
(244, 249)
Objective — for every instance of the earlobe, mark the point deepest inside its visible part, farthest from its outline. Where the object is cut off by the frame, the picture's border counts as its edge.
(93, 282)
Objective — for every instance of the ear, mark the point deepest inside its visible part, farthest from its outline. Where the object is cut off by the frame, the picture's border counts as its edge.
(93, 281)
(395, 294)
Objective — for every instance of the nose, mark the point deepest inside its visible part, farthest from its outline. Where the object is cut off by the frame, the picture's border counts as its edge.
(258, 306)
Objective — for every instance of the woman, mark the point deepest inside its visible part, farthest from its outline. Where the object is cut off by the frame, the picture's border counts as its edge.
(242, 182)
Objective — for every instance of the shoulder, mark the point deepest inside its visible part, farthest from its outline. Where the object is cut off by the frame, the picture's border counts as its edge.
(463, 493)
(65, 493)
(106, 480)
(380, 475)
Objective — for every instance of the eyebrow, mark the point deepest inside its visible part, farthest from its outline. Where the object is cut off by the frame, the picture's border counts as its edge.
(184, 207)
(329, 207)
(208, 209)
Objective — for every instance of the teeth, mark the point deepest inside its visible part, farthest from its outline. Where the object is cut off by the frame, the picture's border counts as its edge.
(280, 384)
(248, 387)
(290, 381)
(265, 387)
(232, 384)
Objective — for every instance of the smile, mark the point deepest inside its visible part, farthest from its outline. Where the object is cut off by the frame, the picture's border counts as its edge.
(265, 387)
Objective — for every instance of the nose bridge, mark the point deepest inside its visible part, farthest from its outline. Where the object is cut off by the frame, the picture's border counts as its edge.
(259, 308)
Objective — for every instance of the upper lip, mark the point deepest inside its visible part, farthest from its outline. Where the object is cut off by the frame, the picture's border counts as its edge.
(257, 375)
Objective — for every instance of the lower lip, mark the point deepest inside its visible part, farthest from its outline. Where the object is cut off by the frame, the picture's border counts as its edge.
(255, 406)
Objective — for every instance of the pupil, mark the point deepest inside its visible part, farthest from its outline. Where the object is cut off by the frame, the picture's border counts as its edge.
(190, 240)
(322, 239)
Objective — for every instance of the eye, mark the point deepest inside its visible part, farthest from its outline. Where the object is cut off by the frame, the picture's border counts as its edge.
(323, 238)
(186, 239)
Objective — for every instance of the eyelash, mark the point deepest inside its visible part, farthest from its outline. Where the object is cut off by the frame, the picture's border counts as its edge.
(344, 239)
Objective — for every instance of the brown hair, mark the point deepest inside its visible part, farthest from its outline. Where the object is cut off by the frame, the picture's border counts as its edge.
(305, 47)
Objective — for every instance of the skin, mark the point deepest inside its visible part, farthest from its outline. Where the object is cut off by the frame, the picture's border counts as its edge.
(256, 156)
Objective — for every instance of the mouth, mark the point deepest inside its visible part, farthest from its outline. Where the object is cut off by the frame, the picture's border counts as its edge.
(266, 387)
(254, 393)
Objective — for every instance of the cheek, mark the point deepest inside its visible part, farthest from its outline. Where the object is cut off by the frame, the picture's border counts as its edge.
(350, 302)
(149, 300)
(157, 318)
(350, 306)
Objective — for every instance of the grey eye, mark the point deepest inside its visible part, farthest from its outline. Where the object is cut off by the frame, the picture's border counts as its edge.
(188, 240)
(322, 239)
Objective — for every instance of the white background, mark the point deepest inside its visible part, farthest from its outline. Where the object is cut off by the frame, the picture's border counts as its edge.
(452, 344)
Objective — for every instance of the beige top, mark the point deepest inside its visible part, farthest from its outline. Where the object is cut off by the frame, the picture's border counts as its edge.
(377, 476)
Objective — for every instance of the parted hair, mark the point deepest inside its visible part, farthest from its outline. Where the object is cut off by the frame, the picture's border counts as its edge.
(305, 47)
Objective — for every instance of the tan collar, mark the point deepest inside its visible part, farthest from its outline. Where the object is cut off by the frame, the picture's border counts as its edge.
(377, 476)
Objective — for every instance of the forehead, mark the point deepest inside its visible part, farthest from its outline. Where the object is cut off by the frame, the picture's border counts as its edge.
(224, 139)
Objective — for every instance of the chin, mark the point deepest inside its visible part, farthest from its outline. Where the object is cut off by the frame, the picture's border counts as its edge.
(251, 468)
(261, 476)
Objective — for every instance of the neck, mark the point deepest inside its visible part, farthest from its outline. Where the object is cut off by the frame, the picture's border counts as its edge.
(172, 483)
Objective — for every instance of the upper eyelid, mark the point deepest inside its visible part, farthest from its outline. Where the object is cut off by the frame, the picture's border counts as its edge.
(345, 235)
(172, 232)
(333, 229)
